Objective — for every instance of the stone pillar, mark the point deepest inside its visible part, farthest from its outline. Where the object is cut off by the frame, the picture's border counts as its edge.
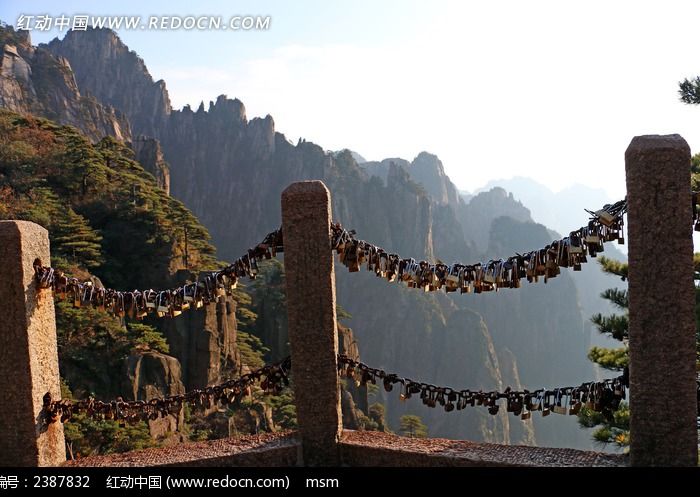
(310, 279)
(663, 401)
(28, 351)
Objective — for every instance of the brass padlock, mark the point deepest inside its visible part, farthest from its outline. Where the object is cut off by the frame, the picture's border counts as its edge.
(604, 217)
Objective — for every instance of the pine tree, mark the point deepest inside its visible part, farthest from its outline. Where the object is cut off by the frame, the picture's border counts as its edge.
(614, 325)
(616, 429)
(689, 90)
(76, 241)
(412, 426)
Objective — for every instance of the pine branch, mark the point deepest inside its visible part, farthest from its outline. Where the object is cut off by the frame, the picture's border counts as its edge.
(612, 359)
(612, 266)
(615, 325)
(618, 297)
(689, 91)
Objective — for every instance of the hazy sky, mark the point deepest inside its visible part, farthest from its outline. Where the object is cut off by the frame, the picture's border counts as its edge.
(550, 90)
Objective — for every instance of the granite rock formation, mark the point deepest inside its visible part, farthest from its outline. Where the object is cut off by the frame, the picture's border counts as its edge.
(33, 81)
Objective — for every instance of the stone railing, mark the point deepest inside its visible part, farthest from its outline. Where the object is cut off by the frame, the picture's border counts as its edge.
(662, 346)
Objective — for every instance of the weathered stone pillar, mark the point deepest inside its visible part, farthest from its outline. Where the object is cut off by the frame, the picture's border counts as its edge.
(310, 279)
(28, 351)
(663, 400)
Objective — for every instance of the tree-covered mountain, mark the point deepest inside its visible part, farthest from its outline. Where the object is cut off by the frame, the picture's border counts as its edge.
(230, 171)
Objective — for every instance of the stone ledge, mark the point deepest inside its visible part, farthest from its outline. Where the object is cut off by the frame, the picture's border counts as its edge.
(269, 449)
(357, 448)
(362, 448)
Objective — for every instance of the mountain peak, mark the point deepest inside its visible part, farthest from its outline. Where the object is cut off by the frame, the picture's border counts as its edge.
(226, 108)
(427, 169)
(562, 210)
(104, 66)
(428, 160)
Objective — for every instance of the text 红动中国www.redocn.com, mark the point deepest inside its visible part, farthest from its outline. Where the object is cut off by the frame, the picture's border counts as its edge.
(81, 22)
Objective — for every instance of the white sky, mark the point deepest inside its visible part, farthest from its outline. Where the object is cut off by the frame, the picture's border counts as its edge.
(550, 90)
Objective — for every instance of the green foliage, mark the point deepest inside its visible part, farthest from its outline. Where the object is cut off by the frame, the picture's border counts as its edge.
(342, 313)
(614, 325)
(103, 211)
(695, 172)
(252, 350)
(366, 423)
(284, 412)
(75, 240)
(8, 34)
(412, 426)
(377, 413)
(613, 359)
(689, 90)
(611, 266)
(106, 214)
(146, 337)
(264, 296)
(615, 431)
(86, 436)
(619, 298)
(91, 346)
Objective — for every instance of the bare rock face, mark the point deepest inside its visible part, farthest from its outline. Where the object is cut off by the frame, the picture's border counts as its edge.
(520, 433)
(351, 419)
(426, 170)
(152, 375)
(261, 134)
(205, 342)
(34, 81)
(354, 396)
(478, 215)
(149, 153)
(105, 66)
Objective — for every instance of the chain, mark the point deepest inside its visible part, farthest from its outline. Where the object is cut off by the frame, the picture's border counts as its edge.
(605, 225)
(600, 396)
(138, 304)
(273, 378)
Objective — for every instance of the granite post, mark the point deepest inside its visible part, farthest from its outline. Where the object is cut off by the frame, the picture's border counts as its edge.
(28, 351)
(663, 398)
(313, 337)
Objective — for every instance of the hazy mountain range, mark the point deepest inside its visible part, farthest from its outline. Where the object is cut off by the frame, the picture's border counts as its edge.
(230, 170)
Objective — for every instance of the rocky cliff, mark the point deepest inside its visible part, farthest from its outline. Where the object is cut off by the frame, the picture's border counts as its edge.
(478, 215)
(205, 342)
(148, 152)
(33, 81)
(426, 170)
(231, 170)
(106, 67)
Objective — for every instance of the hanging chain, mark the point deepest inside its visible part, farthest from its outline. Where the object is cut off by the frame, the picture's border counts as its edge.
(272, 378)
(600, 396)
(164, 303)
(571, 251)
(605, 225)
